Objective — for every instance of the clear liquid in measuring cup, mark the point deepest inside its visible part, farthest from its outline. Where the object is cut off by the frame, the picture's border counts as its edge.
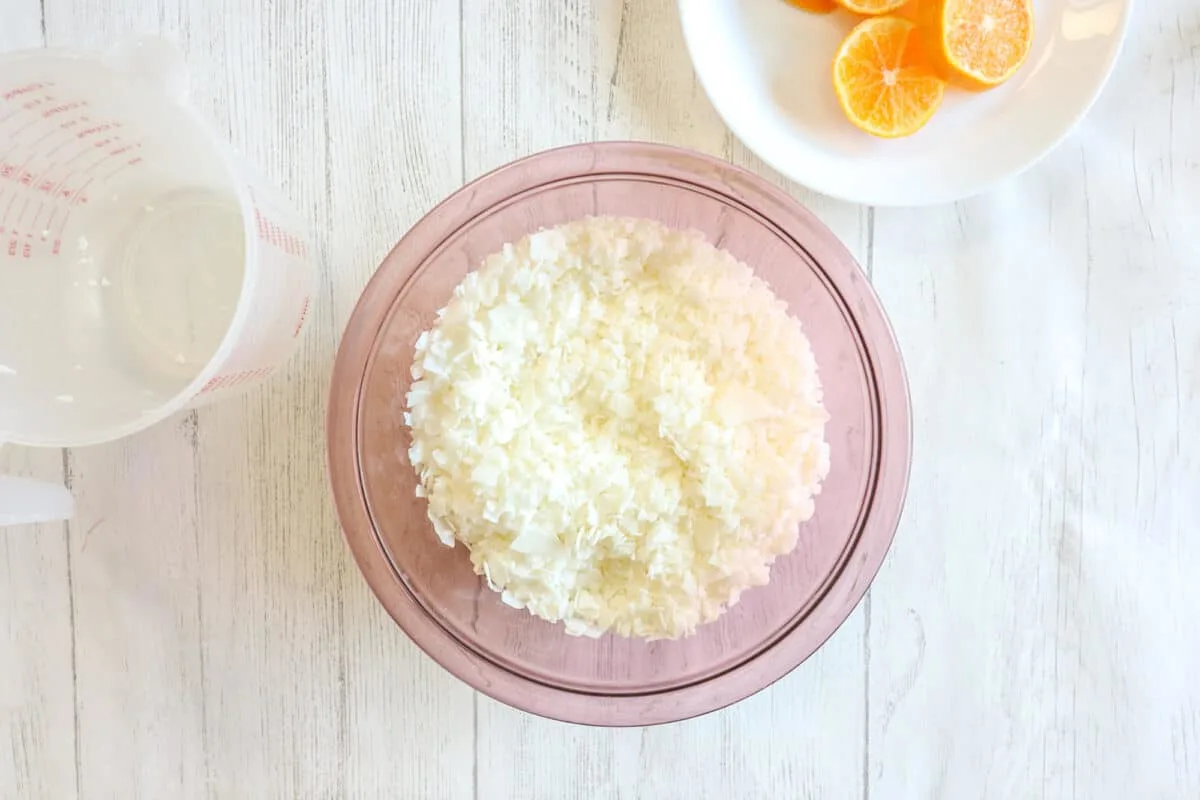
(176, 277)
(123, 319)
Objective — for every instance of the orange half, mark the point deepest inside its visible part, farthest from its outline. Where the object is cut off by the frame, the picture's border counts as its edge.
(871, 8)
(882, 80)
(815, 6)
(977, 44)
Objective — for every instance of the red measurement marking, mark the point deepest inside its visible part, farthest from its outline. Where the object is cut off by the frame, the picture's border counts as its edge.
(9, 170)
(272, 234)
(43, 183)
(26, 89)
(61, 108)
(19, 175)
(62, 182)
(79, 198)
(235, 379)
(83, 134)
(91, 168)
(62, 229)
(24, 164)
(303, 317)
(123, 166)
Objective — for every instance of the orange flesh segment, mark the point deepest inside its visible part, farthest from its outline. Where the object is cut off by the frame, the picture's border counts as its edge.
(882, 82)
(986, 41)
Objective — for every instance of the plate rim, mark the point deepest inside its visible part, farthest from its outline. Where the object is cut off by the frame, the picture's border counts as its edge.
(846, 591)
(745, 132)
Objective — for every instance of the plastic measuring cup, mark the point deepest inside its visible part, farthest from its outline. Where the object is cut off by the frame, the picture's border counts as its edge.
(144, 268)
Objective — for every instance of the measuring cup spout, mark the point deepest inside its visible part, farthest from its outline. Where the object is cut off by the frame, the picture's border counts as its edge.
(24, 501)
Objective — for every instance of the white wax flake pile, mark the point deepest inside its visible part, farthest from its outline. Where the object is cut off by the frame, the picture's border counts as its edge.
(621, 423)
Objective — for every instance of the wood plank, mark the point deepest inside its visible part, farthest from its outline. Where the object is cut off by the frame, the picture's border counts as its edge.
(1028, 634)
(97, 23)
(272, 566)
(551, 74)
(37, 693)
(37, 659)
(528, 79)
(645, 87)
(395, 152)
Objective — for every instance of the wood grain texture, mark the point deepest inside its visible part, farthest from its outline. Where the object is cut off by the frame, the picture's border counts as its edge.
(37, 706)
(395, 152)
(1029, 633)
(273, 566)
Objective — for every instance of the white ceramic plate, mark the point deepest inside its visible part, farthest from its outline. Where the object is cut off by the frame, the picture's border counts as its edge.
(766, 66)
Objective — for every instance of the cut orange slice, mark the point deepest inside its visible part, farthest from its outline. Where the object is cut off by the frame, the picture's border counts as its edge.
(815, 6)
(977, 44)
(871, 8)
(881, 78)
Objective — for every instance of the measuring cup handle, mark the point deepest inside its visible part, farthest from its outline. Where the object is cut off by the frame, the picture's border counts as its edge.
(153, 60)
(24, 501)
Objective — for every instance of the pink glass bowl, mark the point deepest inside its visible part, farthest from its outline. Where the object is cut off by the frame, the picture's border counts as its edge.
(510, 655)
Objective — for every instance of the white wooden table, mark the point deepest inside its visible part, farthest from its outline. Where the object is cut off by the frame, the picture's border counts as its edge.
(200, 630)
